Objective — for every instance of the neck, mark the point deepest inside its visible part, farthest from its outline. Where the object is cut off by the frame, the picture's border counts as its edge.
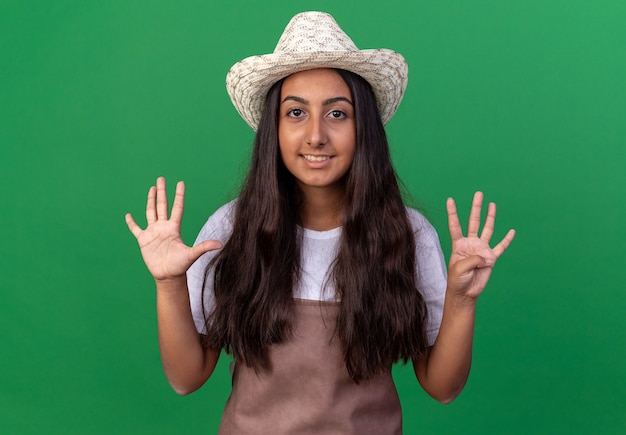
(321, 208)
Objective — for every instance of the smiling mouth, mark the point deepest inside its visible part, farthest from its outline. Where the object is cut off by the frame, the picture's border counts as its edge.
(310, 158)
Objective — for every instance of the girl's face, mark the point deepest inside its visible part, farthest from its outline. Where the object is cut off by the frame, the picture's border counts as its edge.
(316, 128)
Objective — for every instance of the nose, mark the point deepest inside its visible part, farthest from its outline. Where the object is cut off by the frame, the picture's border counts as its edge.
(316, 132)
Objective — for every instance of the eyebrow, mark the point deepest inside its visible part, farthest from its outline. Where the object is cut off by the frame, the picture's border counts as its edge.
(324, 103)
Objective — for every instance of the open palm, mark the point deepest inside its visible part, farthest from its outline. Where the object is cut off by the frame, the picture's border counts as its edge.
(472, 259)
(162, 248)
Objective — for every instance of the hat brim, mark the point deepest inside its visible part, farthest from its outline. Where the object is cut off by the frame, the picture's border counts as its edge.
(249, 80)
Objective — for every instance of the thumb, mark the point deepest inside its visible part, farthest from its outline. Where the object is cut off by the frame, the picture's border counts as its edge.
(204, 247)
(472, 262)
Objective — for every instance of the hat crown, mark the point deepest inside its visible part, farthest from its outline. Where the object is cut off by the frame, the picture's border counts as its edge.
(314, 32)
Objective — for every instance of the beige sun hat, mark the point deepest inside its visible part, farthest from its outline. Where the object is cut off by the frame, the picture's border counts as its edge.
(315, 40)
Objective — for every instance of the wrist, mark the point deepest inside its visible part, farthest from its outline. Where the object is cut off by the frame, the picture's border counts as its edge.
(172, 284)
(460, 302)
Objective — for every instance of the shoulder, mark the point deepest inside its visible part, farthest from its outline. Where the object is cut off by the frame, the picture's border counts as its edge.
(225, 213)
(423, 230)
(219, 226)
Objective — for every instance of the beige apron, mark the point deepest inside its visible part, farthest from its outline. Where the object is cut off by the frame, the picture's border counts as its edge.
(306, 388)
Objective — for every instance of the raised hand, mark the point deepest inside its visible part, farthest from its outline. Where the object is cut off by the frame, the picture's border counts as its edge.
(164, 252)
(472, 259)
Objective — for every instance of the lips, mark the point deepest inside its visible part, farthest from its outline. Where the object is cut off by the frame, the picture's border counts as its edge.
(311, 158)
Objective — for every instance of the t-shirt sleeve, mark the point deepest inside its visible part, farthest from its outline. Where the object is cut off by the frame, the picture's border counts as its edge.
(431, 272)
(218, 227)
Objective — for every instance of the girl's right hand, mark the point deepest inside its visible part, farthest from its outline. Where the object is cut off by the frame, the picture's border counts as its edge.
(162, 248)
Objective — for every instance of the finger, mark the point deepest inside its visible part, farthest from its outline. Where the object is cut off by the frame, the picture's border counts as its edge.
(454, 225)
(474, 219)
(506, 241)
(132, 225)
(204, 247)
(179, 203)
(151, 215)
(489, 223)
(161, 199)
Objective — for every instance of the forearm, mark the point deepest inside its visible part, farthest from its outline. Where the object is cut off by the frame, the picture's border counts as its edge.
(444, 370)
(185, 363)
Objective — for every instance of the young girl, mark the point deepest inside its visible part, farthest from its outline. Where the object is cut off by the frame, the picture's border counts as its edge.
(317, 278)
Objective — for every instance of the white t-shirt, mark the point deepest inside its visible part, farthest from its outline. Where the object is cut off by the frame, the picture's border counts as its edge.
(319, 249)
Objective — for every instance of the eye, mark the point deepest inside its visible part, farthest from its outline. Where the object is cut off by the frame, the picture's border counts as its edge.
(337, 114)
(295, 113)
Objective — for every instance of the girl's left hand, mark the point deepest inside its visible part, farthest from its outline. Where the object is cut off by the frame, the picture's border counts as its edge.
(472, 259)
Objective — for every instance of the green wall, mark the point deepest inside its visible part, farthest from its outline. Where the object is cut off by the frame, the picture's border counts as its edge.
(525, 100)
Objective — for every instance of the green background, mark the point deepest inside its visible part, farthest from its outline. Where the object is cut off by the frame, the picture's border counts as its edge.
(525, 100)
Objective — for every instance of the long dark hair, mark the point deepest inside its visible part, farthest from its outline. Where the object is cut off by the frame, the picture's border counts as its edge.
(382, 313)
